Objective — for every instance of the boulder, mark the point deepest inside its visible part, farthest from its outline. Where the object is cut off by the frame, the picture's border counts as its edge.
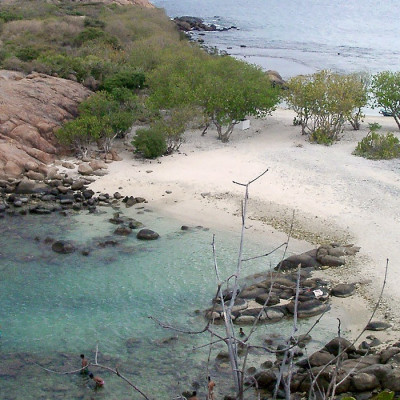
(123, 231)
(343, 290)
(85, 169)
(378, 326)
(308, 308)
(63, 247)
(31, 108)
(363, 382)
(36, 176)
(28, 186)
(98, 164)
(320, 358)
(147, 234)
(339, 344)
(265, 379)
(304, 259)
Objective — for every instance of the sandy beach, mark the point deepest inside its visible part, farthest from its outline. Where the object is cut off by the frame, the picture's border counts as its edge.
(334, 195)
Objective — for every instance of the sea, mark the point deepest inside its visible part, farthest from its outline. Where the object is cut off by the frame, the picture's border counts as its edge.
(53, 307)
(297, 37)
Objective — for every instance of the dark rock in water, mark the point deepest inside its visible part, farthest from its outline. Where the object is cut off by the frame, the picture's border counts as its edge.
(147, 234)
(308, 308)
(343, 290)
(40, 210)
(117, 195)
(3, 207)
(130, 201)
(123, 231)
(85, 252)
(107, 243)
(133, 224)
(88, 194)
(63, 247)
(132, 343)
(184, 228)
(377, 326)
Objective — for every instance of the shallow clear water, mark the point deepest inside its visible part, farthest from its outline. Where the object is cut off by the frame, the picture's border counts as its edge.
(302, 36)
(54, 307)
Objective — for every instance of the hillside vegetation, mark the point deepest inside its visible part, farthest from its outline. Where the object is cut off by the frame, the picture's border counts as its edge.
(82, 40)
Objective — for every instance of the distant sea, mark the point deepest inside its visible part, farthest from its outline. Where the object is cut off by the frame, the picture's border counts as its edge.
(301, 36)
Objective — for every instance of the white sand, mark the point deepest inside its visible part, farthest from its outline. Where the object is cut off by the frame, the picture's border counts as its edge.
(336, 196)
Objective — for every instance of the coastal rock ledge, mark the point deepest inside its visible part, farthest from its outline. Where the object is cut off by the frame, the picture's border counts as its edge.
(31, 107)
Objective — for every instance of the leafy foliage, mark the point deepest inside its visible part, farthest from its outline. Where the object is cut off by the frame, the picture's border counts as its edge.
(324, 101)
(150, 142)
(226, 90)
(385, 87)
(125, 78)
(378, 146)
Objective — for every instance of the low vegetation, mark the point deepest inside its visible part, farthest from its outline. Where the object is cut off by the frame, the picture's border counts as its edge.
(144, 72)
(378, 146)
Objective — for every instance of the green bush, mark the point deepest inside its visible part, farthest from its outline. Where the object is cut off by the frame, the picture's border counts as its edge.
(126, 78)
(150, 142)
(9, 15)
(322, 136)
(94, 23)
(27, 53)
(377, 146)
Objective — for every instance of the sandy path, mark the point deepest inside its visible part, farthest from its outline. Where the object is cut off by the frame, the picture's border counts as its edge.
(335, 195)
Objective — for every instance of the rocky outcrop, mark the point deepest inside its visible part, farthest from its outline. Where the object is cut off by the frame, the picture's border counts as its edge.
(332, 255)
(31, 107)
(188, 24)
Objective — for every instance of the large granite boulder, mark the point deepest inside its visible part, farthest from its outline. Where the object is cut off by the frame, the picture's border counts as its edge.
(31, 108)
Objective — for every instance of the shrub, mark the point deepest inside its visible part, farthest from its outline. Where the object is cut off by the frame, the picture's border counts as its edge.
(27, 53)
(126, 78)
(377, 146)
(9, 15)
(80, 133)
(94, 23)
(150, 142)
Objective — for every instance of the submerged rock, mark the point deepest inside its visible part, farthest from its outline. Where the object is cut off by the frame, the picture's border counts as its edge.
(147, 234)
(63, 247)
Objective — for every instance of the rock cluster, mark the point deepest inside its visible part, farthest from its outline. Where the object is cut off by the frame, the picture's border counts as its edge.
(271, 296)
(31, 107)
(361, 370)
(332, 255)
(188, 24)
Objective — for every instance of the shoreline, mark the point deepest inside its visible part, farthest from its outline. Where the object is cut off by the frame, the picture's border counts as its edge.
(335, 196)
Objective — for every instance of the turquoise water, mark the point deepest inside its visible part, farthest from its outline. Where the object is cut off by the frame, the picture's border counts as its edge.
(54, 307)
(301, 36)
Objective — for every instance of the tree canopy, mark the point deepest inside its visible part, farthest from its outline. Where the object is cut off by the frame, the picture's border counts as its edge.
(324, 101)
(226, 90)
(385, 88)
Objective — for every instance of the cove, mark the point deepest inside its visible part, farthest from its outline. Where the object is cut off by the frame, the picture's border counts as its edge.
(55, 307)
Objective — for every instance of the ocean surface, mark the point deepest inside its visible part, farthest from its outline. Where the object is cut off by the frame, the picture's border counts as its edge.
(301, 36)
(54, 307)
